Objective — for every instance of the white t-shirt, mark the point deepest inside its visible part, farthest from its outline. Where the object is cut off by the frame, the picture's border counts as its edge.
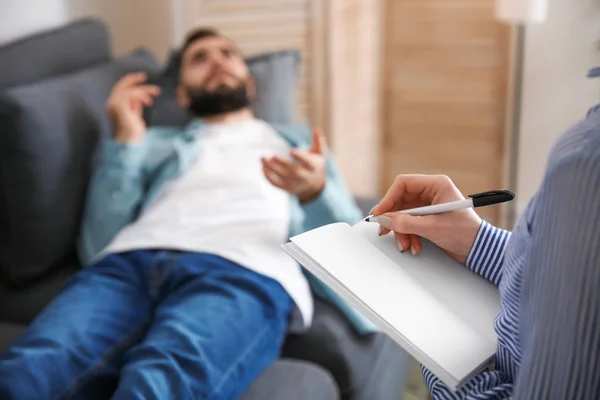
(224, 205)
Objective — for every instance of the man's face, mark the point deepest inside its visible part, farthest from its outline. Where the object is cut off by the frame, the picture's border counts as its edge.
(214, 77)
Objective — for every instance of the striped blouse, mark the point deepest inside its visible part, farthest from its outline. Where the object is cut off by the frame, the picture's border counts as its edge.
(548, 274)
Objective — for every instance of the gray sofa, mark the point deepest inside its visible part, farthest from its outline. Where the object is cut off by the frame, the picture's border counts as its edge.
(53, 86)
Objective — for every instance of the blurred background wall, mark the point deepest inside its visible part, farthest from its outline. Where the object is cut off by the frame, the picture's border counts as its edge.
(398, 86)
(556, 92)
(132, 23)
(21, 17)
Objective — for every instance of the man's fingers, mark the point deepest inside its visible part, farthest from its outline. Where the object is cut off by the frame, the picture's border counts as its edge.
(147, 100)
(273, 178)
(319, 145)
(283, 162)
(132, 79)
(279, 167)
(150, 89)
(284, 168)
(141, 98)
(144, 91)
(304, 158)
(144, 94)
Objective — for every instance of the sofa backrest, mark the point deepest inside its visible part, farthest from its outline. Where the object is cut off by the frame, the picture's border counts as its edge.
(53, 88)
(59, 51)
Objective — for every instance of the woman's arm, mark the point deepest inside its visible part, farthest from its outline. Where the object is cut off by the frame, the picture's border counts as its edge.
(560, 309)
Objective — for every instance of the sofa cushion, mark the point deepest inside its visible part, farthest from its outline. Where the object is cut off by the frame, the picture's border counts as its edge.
(48, 136)
(332, 343)
(275, 75)
(293, 380)
(22, 305)
(75, 46)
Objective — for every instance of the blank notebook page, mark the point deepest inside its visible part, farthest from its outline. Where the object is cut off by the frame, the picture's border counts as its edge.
(441, 311)
(471, 297)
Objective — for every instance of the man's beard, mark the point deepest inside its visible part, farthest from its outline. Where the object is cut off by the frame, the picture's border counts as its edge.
(222, 100)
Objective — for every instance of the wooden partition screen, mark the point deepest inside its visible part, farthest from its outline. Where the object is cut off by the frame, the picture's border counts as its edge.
(446, 71)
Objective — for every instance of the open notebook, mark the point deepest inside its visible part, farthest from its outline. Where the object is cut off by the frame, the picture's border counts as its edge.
(438, 310)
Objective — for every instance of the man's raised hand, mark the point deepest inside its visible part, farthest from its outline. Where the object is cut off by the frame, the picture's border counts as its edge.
(305, 176)
(126, 103)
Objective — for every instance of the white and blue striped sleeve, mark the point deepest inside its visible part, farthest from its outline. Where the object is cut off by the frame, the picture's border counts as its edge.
(487, 254)
(560, 309)
(488, 385)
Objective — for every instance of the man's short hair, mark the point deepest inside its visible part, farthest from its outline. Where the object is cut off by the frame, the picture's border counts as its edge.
(195, 35)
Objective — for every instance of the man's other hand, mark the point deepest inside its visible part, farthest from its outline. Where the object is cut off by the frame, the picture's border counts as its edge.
(125, 105)
(304, 176)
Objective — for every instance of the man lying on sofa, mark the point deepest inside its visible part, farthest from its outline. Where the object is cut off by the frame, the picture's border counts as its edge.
(189, 294)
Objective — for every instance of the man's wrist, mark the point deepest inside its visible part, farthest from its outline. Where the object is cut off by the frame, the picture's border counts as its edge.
(126, 133)
(127, 137)
(129, 155)
(311, 194)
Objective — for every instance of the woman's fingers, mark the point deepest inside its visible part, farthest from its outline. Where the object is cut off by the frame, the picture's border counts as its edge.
(410, 243)
(383, 231)
(415, 245)
(403, 242)
(425, 189)
(404, 188)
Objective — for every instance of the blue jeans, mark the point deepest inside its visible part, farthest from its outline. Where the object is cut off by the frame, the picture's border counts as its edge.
(158, 324)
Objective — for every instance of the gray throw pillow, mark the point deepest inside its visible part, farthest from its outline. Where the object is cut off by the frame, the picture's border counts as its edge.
(276, 77)
(49, 132)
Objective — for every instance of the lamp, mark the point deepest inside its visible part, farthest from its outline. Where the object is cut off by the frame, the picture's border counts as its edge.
(522, 12)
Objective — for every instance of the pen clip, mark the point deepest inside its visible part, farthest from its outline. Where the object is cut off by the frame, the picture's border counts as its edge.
(491, 197)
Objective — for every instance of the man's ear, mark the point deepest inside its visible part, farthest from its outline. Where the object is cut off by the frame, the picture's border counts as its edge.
(183, 99)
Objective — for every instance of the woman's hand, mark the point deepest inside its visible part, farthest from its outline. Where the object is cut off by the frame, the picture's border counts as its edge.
(453, 231)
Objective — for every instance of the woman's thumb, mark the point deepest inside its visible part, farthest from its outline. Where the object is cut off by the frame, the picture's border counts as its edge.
(404, 223)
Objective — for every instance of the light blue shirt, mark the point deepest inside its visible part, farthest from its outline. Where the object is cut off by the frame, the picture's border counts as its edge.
(548, 273)
(130, 176)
